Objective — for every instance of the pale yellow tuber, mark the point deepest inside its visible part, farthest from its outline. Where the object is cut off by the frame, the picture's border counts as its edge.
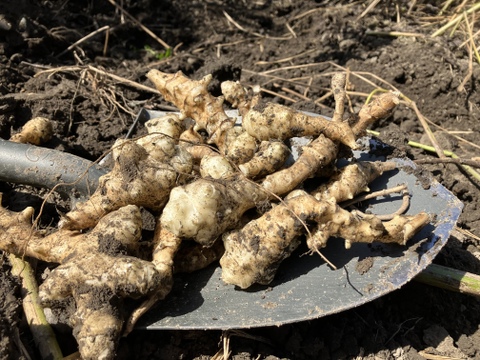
(216, 166)
(143, 174)
(270, 157)
(35, 131)
(204, 209)
(194, 101)
(319, 153)
(94, 270)
(254, 253)
(274, 121)
(121, 228)
(352, 180)
(379, 108)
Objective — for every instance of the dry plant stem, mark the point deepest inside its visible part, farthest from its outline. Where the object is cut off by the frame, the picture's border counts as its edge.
(85, 38)
(139, 24)
(394, 33)
(117, 78)
(455, 20)
(43, 334)
(428, 131)
(447, 160)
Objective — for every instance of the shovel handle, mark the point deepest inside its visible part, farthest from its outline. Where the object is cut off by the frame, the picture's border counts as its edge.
(43, 167)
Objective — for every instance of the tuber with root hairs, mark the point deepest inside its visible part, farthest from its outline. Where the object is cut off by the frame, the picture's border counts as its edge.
(254, 252)
(201, 189)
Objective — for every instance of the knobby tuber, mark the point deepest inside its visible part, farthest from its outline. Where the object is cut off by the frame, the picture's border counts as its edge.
(143, 174)
(200, 193)
(35, 131)
(274, 121)
(93, 269)
(194, 101)
(253, 253)
(352, 180)
(205, 208)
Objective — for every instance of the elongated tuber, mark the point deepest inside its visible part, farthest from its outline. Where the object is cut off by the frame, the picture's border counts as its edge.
(352, 180)
(319, 153)
(194, 101)
(253, 253)
(94, 270)
(274, 121)
(270, 157)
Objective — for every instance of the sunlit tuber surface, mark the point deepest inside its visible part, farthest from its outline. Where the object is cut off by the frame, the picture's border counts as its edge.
(35, 131)
(352, 180)
(94, 270)
(254, 253)
(202, 198)
(143, 174)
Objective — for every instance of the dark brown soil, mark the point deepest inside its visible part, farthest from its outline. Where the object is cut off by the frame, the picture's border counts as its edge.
(281, 45)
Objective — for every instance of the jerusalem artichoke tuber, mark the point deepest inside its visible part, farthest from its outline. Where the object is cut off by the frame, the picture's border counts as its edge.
(352, 180)
(96, 280)
(204, 209)
(35, 131)
(253, 253)
(194, 101)
(143, 174)
(274, 121)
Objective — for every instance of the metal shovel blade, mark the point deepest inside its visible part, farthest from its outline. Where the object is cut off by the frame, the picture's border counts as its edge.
(305, 287)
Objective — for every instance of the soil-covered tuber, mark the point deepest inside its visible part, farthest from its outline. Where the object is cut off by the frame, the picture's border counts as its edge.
(352, 180)
(35, 131)
(205, 208)
(143, 174)
(254, 253)
(94, 269)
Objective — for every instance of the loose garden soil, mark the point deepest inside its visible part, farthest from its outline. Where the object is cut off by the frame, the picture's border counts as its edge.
(289, 48)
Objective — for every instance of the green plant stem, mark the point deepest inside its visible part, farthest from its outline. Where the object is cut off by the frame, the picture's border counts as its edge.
(42, 332)
(431, 149)
(450, 279)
